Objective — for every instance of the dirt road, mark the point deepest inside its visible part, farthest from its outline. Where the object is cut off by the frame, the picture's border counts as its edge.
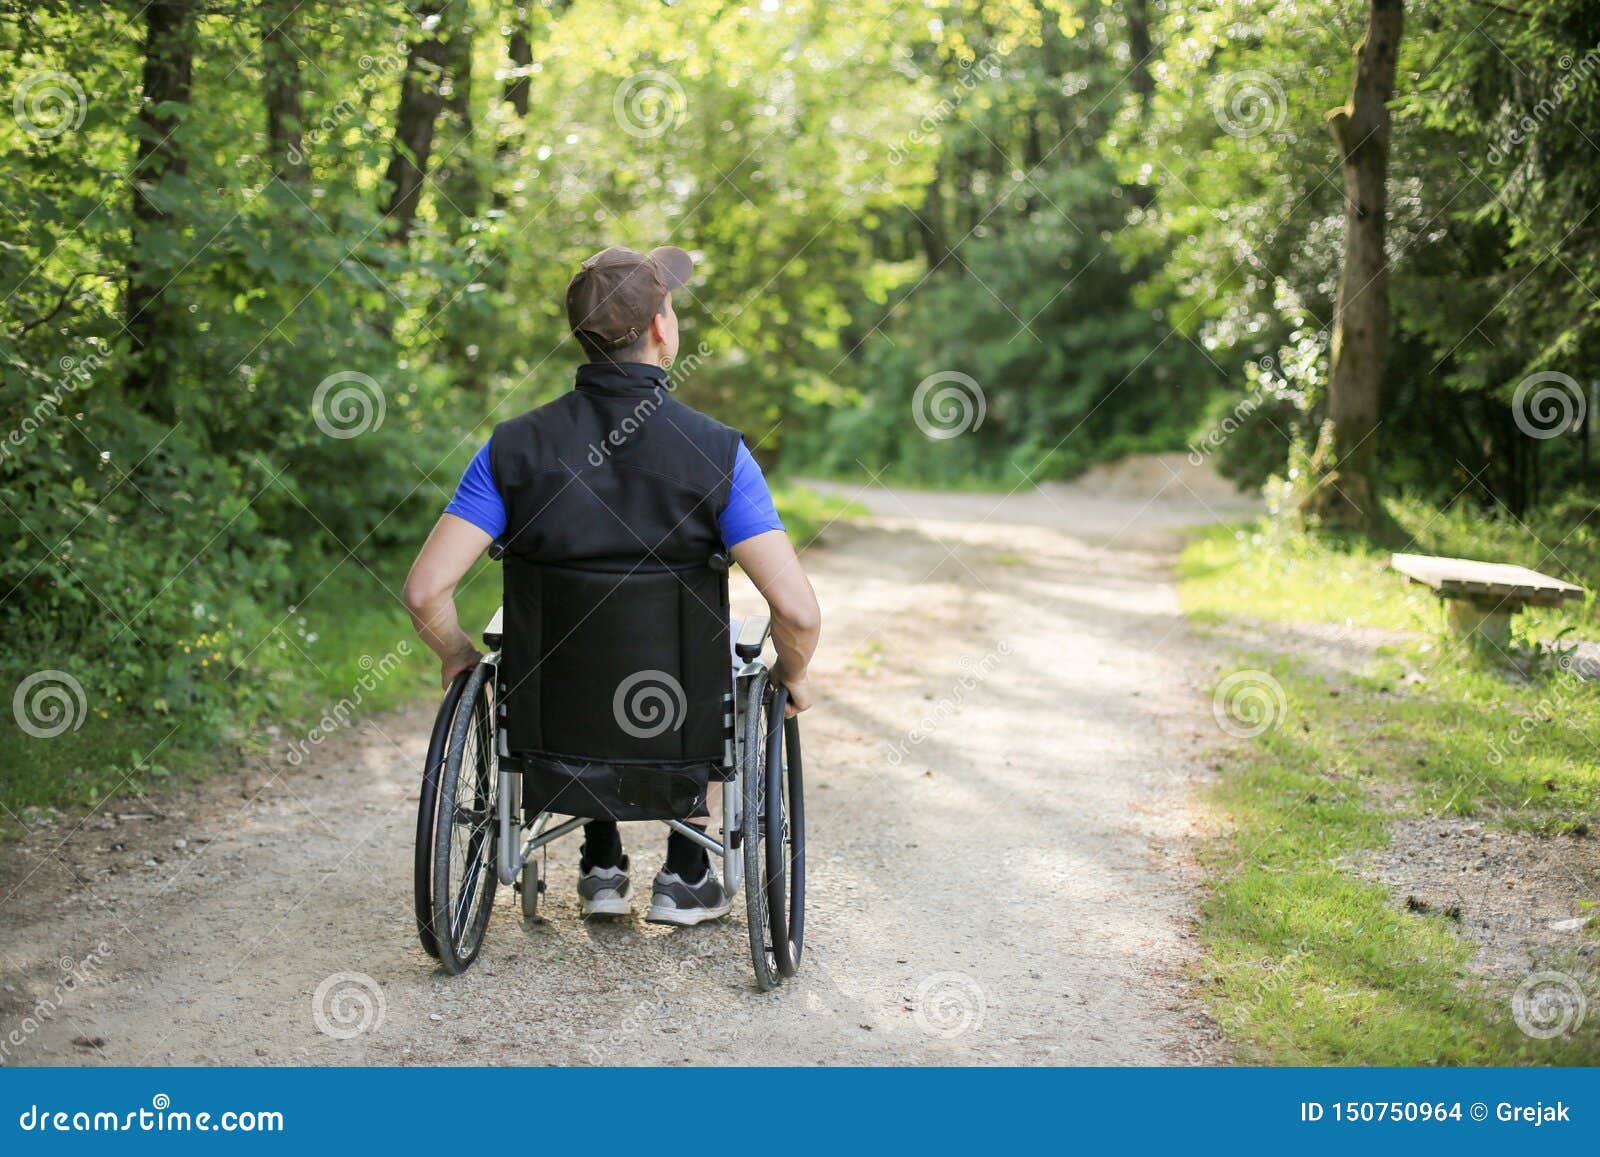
(1010, 723)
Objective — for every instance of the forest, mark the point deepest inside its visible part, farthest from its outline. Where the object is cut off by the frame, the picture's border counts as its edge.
(272, 269)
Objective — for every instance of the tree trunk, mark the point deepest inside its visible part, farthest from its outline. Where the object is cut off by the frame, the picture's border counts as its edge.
(931, 222)
(1345, 494)
(280, 64)
(168, 72)
(1140, 47)
(460, 181)
(421, 98)
(515, 94)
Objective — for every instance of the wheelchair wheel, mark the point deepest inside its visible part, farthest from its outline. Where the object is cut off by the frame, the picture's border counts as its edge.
(466, 836)
(773, 836)
(529, 885)
(427, 803)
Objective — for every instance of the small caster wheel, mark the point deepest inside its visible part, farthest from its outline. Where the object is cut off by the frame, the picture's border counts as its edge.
(529, 884)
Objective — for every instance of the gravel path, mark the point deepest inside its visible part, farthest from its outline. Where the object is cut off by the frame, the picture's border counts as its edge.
(1011, 721)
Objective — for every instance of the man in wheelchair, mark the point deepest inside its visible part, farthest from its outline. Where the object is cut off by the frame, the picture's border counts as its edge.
(610, 506)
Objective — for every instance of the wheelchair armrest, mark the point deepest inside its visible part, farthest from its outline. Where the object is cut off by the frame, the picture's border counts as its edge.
(493, 632)
(753, 634)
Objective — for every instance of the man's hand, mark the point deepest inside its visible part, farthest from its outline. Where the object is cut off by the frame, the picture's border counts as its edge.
(799, 689)
(450, 667)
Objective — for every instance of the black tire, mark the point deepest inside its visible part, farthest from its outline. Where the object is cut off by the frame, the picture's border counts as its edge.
(529, 885)
(466, 837)
(793, 836)
(427, 804)
(773, 836)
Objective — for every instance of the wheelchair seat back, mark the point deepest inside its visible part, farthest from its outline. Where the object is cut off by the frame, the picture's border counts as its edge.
(614, 688)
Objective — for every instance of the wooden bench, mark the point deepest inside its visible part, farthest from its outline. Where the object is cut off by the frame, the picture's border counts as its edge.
(1482, 596)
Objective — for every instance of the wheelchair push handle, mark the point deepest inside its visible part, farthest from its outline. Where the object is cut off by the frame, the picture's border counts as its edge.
(753, 633)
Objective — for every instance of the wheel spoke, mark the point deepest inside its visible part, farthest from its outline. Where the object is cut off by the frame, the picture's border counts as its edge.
(464, 900)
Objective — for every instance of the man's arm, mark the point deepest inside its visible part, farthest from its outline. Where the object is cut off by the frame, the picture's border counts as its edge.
(770, 561)
(429, 594)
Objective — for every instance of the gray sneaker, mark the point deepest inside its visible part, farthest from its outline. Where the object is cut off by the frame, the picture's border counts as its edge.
(605, 891)
(676, 901)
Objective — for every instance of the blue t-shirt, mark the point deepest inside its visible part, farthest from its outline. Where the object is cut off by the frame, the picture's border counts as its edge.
(749, 511)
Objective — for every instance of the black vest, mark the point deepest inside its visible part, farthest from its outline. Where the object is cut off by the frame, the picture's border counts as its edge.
(617, 475)
(616, 653)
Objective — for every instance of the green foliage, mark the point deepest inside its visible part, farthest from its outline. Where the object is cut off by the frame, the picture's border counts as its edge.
(1069, 372)
(1490, 179)
(1115, 252)
(1310, 960)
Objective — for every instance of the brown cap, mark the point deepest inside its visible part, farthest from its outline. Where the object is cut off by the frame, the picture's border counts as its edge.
(618, 290)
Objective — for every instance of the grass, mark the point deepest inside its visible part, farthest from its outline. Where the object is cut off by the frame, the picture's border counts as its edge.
(1310, 962)
(806, 514)
(348, 653)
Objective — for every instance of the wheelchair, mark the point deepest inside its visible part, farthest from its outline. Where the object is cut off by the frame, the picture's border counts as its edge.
(615, 696)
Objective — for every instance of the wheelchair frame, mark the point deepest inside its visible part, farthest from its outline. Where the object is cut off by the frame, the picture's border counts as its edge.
(761, 762)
